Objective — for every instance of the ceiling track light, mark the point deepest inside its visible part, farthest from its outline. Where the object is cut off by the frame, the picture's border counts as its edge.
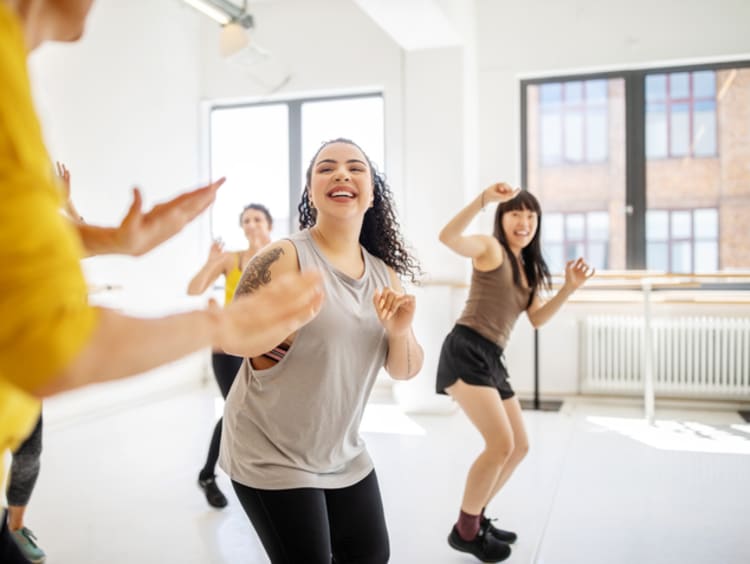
(224, 12)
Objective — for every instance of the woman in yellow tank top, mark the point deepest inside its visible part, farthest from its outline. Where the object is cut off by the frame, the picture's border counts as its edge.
(256, 222)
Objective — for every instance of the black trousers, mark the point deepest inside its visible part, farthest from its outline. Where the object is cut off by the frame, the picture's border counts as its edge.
(316, 526)
(225, 369)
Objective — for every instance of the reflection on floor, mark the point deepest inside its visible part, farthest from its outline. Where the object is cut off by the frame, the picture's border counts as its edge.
(599, 486)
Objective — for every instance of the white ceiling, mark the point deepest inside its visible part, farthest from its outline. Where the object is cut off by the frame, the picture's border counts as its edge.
(413, 24)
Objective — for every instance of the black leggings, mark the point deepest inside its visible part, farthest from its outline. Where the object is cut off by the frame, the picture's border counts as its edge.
(225, 367)
(24, 468)
(315, 526)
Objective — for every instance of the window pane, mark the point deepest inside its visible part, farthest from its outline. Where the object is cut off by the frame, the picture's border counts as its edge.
(593, 133)
(679, 130)
(596, 91)
(706, 256)
(598, 226)
(656, 131)
(573, 92)
(574, 250)
(679, 85)
(596, 135)
(681, 225)
(573, 136)
(656, 87)
(552, 228)
(597, 255)
(574, 227)
(681, 252)
(657, 257)
(358, 119)
(704, 84)
(550, 94)
(553, 254)
(717, 182)
(249, 145)
(704, 127)
(657, 225)
(551, 137)
(706, 223)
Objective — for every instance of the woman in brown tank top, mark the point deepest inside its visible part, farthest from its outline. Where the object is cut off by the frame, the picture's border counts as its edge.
(508, 274)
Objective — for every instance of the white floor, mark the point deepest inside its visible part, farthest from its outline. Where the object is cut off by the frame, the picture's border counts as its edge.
(599, 487)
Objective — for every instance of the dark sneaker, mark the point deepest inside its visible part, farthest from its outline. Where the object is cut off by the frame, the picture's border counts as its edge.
(484, 547)
(489, 529)
(213, 494)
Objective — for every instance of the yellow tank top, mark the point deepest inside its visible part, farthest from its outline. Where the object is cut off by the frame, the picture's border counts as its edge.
(46, 318)
(232, 279)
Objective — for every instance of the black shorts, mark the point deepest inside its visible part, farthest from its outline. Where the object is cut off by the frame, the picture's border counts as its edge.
(477, 361)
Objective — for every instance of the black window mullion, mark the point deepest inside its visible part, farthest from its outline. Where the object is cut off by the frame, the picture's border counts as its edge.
(635, 171)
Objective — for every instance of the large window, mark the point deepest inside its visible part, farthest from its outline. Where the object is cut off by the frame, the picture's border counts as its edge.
(573, 123)
(264, 149)
(681, 114)
(675, 185)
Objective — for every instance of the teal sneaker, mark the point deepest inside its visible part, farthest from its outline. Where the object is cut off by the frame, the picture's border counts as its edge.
(26, 541)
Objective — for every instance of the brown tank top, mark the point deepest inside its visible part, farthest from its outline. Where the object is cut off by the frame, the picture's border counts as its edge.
(494, 303)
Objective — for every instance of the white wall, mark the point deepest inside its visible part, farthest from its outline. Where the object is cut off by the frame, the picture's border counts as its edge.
(120, 108)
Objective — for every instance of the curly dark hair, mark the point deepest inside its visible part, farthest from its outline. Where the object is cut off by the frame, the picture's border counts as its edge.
(380, 230)
(534, 265)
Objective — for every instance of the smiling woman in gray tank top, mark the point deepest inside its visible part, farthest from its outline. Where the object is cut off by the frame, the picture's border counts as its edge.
(290, 440)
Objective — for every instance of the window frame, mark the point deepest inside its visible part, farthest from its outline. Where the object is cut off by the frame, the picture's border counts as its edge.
(294, 137)
(635, 142)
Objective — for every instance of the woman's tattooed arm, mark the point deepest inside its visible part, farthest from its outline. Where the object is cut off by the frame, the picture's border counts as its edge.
(258, 271)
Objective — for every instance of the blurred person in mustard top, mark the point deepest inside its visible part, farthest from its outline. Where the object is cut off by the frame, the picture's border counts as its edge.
(51, 340)
(256, 222)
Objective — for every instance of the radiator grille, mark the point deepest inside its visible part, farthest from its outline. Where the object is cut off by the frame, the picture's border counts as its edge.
(693, 356)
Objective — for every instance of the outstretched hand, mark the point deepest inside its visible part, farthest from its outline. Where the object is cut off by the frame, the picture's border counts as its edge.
(395, 310)
(64, 175)
(577, 272)
(216, 251)
(140, 232)
(499, 192)
(255, 323)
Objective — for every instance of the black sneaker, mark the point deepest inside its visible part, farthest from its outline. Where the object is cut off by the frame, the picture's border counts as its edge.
(484, 547)
(213, 494)
(489, 529)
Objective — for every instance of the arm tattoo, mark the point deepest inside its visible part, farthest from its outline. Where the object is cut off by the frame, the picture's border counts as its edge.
(257, 272)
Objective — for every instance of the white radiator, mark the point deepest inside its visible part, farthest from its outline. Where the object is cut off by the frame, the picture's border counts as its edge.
(707, 357)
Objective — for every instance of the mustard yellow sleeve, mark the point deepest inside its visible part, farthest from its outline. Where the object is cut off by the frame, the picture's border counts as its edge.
(46, 319)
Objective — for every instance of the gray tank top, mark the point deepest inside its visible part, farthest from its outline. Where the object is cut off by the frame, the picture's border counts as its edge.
(494, 303)
(296, 424)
